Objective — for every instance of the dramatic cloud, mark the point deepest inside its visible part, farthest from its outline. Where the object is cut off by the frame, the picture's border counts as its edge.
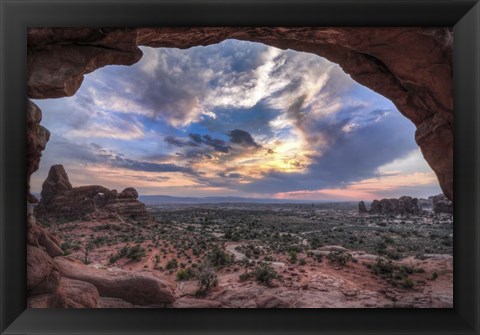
(242, 138)
(234, 118)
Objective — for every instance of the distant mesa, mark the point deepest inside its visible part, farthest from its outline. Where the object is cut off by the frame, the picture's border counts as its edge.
(60, 199)
(407, 206)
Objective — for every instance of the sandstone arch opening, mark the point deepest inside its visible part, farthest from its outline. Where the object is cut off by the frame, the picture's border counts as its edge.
(159, 252)
(386, 60)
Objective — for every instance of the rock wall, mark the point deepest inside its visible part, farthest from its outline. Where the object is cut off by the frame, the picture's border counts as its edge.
(37, 138)
(60, 199)
(411, 66)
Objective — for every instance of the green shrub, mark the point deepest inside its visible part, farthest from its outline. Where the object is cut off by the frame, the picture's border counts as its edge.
(382, 267)
(135, 253)
(185, 274)
(302, 261)
(67, 247)
(395, 255)
(407, 283)
(265, 273)
(293, 256)
(172, 264)
(245, 276)
(207, 279)
(219, 258)
(339, 257)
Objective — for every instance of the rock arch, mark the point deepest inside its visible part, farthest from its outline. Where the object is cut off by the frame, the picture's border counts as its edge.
(413, 67)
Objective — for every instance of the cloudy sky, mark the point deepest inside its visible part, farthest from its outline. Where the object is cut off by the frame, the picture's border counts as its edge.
(234, 119)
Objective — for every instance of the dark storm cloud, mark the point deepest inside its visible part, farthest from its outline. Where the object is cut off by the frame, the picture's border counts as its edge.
(216, 143)
(135, 165)
(230, 175)
(197, 140)
(175, 141)
(95, 146)
(204, 147)
(243, 138)
(95, 154)
(196, 155)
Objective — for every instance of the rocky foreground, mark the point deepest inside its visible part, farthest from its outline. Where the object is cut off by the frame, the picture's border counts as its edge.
(67, 282)
(85, 249)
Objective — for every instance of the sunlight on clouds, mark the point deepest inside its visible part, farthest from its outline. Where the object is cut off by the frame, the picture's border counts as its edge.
(414, 161)
(110, 177)
(230, 118)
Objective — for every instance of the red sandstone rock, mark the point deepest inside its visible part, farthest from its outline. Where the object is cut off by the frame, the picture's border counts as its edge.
(48, 285)
(129, 193)
(135, 288)
(105, 302)
(79, 294)
(54, 300)
(37, 138)
(60, 199)
(403, 205)
(39, 266)
(56, 69)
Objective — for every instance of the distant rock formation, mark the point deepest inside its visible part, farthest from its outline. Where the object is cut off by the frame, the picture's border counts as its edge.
(425, 203)
(401, 206)
(441, 204)
(60, 199)
(362, 209)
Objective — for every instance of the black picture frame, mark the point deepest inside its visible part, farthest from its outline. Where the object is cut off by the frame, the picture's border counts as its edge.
(17, 15)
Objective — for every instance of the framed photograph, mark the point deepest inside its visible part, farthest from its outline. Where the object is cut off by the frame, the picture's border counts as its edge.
(240, 167)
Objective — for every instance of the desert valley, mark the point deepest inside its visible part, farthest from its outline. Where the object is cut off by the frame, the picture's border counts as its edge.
(240, 254)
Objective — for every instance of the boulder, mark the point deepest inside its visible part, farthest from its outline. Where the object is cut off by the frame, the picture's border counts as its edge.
(39, 266)
(79, 294)
(129, 193)
(134, 287)
(69, 294)
(238, 297)
(48, 285)
(53, 300)
(269, 300)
